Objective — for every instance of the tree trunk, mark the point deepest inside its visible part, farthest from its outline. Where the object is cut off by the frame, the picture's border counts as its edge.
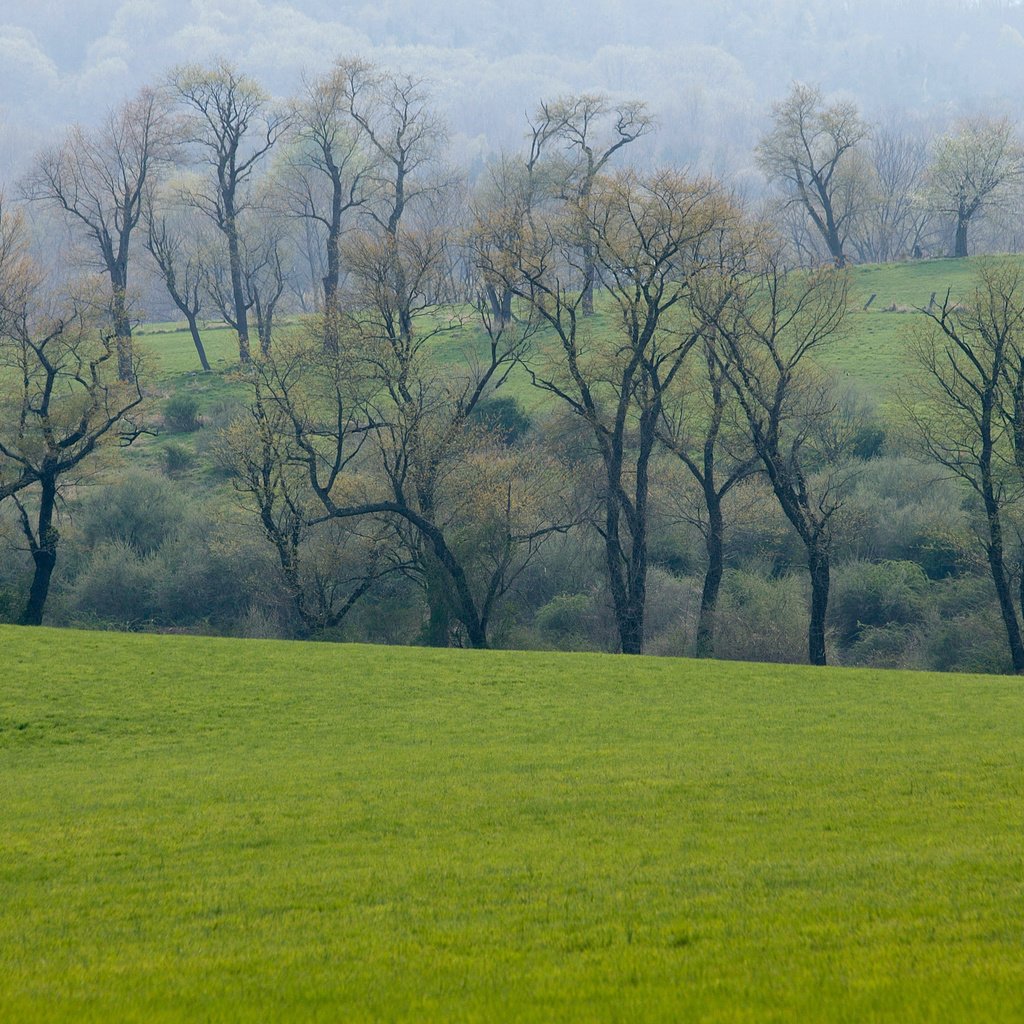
(122, 327)
(193, 326)
(631, 625)
(237, 288)
(501, 305)
(705, 641)
(629, 590)
(332, 339)
(44, 555)
(835, 246)
(1006, 608)
(589, 272)
(437, 629)
(960, 241)
(820, 573)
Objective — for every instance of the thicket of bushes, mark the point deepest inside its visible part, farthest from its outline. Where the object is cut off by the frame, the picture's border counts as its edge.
(152, 552)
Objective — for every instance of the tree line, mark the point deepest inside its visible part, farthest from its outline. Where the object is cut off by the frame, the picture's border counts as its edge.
(658, 319)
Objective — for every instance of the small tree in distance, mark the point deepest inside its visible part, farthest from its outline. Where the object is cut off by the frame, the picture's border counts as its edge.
(229, 121)
(978, 164)
(809, 151)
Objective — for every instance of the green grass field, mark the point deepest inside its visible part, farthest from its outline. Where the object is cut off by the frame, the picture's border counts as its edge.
(202, 829)
(871, 357)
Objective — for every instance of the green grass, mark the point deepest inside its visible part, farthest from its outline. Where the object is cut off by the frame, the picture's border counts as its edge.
(872, 357)
(202, 829)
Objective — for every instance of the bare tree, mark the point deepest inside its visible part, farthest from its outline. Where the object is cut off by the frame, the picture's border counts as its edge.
(651, 236)
(100, 179)
(230, 123)
(966, 409)
(809, 152)
(327, 173)
(175, 243)
(699, 428)
(977, 165)
(326, 570)
(265, 271)
(771, 325)
(60, 402)
(376, 437)
(893, 220)
(589, 129)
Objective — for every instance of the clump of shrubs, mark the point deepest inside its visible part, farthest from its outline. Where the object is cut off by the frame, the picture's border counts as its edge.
(181, 414)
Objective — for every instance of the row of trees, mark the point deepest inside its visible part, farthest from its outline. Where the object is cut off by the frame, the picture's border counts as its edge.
(654, 316)
(884, 192)
(243, 203)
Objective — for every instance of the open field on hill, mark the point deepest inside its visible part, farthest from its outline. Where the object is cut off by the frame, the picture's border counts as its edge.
(202, 829)
(872, 356)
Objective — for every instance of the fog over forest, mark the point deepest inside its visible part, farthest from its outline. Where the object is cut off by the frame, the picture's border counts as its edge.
(708, 70)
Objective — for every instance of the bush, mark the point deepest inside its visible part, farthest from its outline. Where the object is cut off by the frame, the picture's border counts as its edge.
(116, 585)
(12, 602)
(673, 603)
(141, 511)
(505, 416)
(882, 647)
(567, 620)
(762, 619)
(181, 414)
(177, 459)
(867, 594)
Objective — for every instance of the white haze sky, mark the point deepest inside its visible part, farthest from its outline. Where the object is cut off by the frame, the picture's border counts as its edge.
(708, 69)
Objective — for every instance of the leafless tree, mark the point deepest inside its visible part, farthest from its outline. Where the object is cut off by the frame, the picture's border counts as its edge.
(328, 173)
(60, 401)
(966, 408)
(809, 151)
(231, 125)
(175, 243)
(771, 325)
(652, 235)
(587, 130)
(101, 179)
(699, 427)
(894, 219)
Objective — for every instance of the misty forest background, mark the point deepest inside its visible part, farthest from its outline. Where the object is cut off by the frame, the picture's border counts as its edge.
(167, 532)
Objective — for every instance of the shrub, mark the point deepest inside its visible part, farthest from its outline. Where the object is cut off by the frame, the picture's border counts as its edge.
(177, 459)
(882, 647)
(141, 511)
(567, 620)
(505, 416)
(116, 585)
(671, 614)
(181, 414)
(869, 594)
(762, 619)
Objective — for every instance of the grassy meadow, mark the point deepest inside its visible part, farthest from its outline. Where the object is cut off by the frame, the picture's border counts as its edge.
(872, 355)
(223, 830)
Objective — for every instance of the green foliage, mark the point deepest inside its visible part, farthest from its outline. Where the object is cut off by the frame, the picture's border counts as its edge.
(11, 603)
(567, 619)
(211, 829)
(140, 511)
(116, 585)
(870, 594)
(761, 617)
(181, 414)
(505, 416)
(177, 459)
